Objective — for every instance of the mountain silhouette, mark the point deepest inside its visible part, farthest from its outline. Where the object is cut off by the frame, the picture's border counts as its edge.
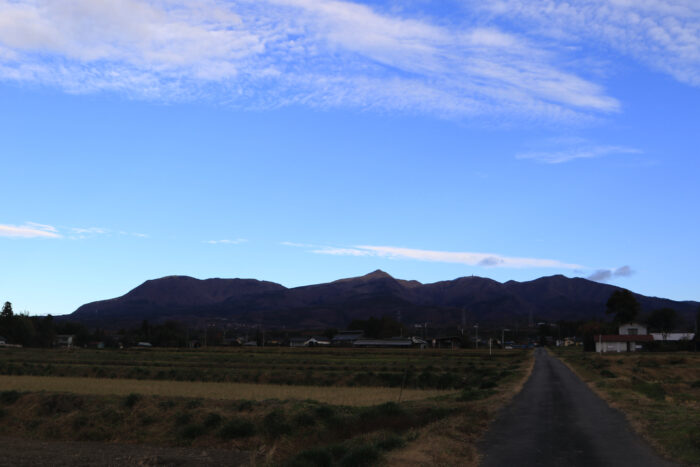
(337, 303)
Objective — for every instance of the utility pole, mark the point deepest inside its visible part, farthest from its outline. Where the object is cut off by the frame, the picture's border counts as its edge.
(503, 338)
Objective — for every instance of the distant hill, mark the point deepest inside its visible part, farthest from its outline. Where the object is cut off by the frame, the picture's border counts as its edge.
(336, 303)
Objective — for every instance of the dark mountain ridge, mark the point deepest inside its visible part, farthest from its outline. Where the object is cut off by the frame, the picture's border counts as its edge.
(335, 304)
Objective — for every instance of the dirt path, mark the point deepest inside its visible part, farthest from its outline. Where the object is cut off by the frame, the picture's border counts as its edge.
(21, 452)
(556, 420)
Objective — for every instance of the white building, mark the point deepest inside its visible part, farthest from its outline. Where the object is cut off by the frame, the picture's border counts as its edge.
(630, 339)
(632, 329)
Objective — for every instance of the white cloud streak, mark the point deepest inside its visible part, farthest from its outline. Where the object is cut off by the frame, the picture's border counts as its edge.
(267, 53)
(468, 258)
(235, 241)
(578, 152)
(36, 230)
(28, 230)
(90, 231)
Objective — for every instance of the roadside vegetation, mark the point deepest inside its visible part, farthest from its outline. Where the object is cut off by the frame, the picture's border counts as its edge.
(290, 427)
(658, 392)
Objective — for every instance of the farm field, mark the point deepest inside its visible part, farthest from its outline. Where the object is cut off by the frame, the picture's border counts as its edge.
(338, 395)
(279, 406)
(420, 369)
(658, 392)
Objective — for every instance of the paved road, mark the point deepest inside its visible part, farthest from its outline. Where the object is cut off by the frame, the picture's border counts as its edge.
(556, 420)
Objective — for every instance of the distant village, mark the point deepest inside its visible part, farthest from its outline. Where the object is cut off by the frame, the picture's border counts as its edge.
(624, 333)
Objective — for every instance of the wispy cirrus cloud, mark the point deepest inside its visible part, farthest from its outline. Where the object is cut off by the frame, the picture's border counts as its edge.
(663, 34)
(36, 230)
(29, 230)
(267, 53)
(459, 257)
(89, 230)
(235, 241)
(567, 150)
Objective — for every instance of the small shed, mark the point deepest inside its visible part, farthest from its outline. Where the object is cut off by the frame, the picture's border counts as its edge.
(64, 340)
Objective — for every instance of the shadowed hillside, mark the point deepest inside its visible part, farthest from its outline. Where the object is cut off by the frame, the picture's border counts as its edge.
(336, 303)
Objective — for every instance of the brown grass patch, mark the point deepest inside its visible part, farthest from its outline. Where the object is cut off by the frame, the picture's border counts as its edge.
(351, 396)
(453, 441)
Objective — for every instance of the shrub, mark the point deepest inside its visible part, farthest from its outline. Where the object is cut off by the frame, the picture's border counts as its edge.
(237, 428)
(131, 400)
(365, 455)
(245, 405)
(324, 412)
(9, 397)
(193, 404)
(166, 404)
(275, 424)
(473, 394)
(607, 374)
(648, 363)
(191, 431)
(59, 403)
(110, 416)
(95, 434)
(387, 409)
(304, 419)
(316, 457)
(80, 422)
(488, 384)
(651, 390)
(212, 420)
(390, 442)
(676, 360)
(147, 420)
(695, 384)
(183, 418)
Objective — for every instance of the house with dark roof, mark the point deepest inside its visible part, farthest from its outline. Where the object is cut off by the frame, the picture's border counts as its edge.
(631, 338)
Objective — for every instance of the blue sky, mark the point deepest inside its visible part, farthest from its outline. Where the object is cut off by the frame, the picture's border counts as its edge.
(302, 141)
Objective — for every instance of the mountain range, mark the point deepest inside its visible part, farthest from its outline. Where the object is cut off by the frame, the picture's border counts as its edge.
(335, 304)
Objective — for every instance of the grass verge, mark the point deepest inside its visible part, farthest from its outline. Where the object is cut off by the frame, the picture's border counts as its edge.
(656, 391)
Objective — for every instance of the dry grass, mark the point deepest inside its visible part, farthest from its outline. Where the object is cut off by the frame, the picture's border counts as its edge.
(453, 441)
(351, 396)
(348, 421)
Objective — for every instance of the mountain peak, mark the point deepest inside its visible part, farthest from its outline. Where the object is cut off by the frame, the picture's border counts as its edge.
(378, 274)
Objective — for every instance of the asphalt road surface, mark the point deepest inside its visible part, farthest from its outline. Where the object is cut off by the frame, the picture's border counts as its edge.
(556, 420)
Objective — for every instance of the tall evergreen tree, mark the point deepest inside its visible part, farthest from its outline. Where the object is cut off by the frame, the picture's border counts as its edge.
(623, 306)
(7, 310)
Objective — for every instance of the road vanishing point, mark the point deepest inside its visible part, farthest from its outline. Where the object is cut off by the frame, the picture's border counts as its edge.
(557, 420)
